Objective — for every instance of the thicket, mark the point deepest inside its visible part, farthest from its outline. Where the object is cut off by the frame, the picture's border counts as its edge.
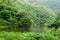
(12, 19)
(26, 36)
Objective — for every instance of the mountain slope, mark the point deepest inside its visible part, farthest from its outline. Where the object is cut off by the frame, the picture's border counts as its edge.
(34, 11)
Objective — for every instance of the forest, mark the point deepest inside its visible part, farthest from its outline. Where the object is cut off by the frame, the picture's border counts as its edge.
(29, 20)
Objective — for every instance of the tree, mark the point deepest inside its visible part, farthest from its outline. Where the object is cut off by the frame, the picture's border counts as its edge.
(56, 24)
(14, 18)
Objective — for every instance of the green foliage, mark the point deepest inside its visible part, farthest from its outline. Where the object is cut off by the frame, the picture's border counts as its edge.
(26, 36)
(12, 18)
(55, 24)
(40, 15)
(25, 22)
(18, 16)
(5, 14)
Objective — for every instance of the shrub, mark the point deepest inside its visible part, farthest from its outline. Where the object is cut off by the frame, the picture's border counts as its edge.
(5, 14)
(26, 36)
(55, 24)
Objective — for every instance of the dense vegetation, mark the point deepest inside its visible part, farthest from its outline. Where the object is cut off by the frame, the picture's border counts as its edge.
(26, 36)
(39, 23)
(11, 18)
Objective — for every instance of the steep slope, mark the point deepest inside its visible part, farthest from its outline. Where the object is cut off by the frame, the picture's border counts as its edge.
(41, 15)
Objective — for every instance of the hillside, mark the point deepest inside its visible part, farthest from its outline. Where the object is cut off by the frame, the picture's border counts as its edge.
(35, 12)
(29, 20)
